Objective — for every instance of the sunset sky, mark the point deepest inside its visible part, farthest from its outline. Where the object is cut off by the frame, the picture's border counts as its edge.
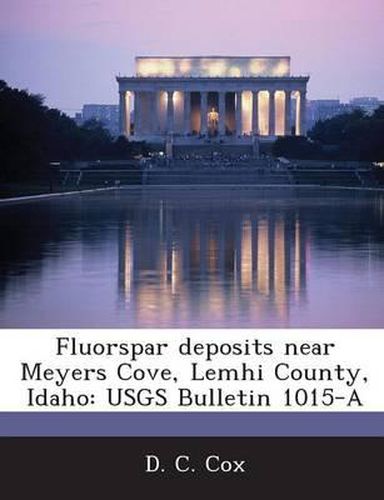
(71, 50)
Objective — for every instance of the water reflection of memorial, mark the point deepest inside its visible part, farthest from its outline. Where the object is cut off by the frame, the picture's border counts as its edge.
(196, 267)
(194, 257)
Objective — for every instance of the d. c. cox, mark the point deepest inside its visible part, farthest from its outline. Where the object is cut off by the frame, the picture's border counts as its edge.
(183, 464)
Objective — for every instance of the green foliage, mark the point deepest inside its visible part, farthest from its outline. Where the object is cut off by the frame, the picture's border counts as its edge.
(355, 136)
(349, 136)
(296, 147)
(32, 135)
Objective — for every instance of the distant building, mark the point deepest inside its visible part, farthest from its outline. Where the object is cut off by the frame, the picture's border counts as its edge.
(107, 114)
(324, 109)
(367, 104)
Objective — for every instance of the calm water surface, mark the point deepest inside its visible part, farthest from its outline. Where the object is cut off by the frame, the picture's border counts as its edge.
(194, 257)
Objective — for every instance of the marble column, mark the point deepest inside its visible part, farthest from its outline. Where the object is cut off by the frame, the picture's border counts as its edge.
(204, 112)
(124, 130)
(161, 112)
(272, 113)
(239, 125)
(255, 113)
(128, 97)
(187, 113)
(155, 113)
(221, 113)
(287, 108)
(170, 112)
(136, 111)
(303, 112)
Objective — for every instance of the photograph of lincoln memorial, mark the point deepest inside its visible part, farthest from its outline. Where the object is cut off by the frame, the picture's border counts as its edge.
(229, 99)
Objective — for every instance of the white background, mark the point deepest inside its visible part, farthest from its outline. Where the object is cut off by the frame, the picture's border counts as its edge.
(354, 349)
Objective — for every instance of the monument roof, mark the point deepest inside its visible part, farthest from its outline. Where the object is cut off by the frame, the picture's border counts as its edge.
(213, 66)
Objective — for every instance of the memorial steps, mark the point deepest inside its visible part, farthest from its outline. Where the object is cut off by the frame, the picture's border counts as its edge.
(219, 172)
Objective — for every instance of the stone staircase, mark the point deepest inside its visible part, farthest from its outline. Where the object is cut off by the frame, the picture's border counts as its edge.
(229, 172)
(215, 177)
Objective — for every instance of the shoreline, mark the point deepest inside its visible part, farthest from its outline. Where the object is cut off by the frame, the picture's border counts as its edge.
(249, 186)
(137, 187)
(42, 196)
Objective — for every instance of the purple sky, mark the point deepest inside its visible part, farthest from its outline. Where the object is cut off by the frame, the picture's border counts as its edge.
(71, 50)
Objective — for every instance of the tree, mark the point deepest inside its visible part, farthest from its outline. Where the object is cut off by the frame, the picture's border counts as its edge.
(357, 135)
(348, 136)
(32, 135)
(296, 147)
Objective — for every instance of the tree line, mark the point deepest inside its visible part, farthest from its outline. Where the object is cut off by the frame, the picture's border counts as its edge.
(348, 136)
(32, 135)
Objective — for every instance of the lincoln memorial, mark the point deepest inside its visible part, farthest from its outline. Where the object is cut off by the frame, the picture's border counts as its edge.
(230, 99)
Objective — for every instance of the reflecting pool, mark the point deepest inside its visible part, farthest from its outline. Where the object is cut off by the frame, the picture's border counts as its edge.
(196, 257)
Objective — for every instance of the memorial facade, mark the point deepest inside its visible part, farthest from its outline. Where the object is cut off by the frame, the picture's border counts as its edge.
(228, 98)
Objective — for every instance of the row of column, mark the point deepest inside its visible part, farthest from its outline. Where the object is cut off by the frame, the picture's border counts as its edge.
(170, 112)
